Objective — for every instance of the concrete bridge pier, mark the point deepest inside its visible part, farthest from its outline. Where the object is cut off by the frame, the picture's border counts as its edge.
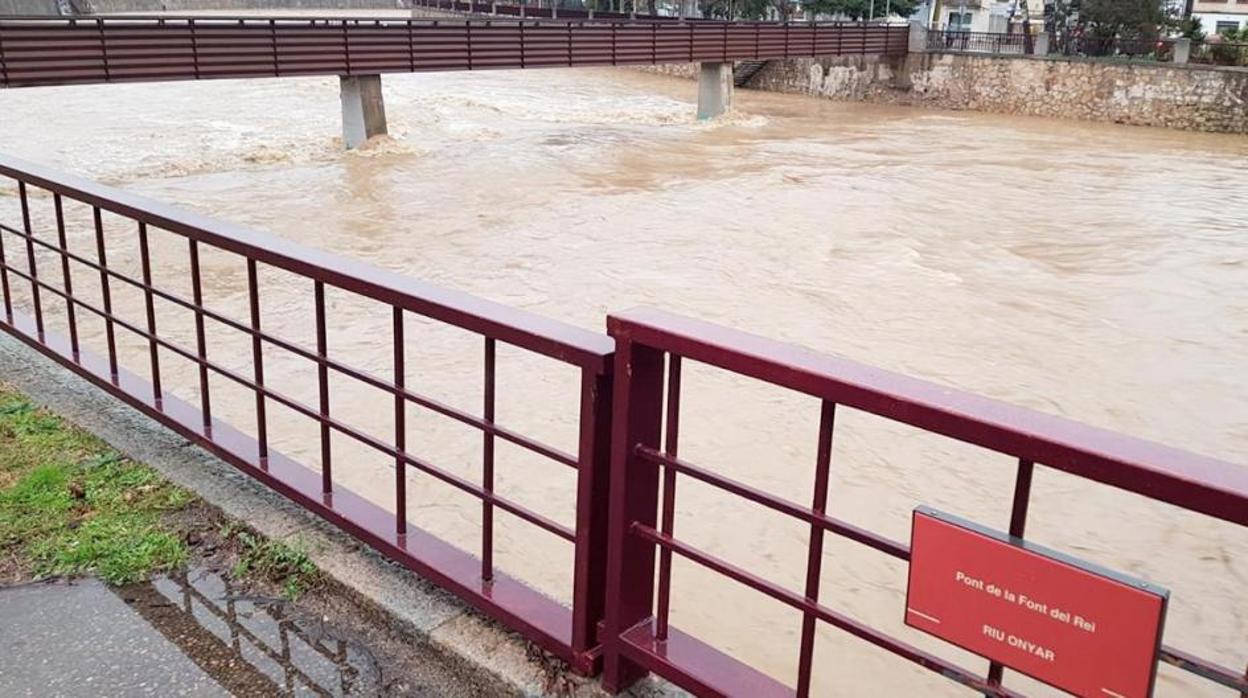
(363, 109)
(714, 89)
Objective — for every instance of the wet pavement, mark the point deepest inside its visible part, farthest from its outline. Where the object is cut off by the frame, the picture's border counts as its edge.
(188, 634)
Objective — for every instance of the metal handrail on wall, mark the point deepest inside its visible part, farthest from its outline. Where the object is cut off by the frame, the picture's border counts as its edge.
(627, 461)
(976, 42)
(534, 10)
(1111, 47)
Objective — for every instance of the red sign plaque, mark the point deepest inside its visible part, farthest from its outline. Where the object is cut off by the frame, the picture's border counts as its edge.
(1067, 623)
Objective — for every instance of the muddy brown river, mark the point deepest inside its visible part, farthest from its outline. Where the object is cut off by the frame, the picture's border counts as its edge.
(1098, 272)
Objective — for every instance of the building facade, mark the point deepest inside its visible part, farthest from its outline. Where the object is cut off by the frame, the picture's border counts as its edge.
(997, 16)
(1218, 16)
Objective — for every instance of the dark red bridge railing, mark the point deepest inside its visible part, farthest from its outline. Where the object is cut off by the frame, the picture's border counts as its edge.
(43, 51)
(28, 288)
(533, 10)
(638, 637)
(619, 564)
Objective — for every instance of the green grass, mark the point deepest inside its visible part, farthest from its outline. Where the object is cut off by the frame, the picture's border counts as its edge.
(70, 504)
(284, 564)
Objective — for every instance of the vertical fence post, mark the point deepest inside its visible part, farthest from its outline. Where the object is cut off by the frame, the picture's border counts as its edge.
(346, 47)
(668, 520)
(67, 278)
(277, 66)
(814, 559)
(106, 296)
(145, 259)
(411, 47)
(400, 427)
(592, 479)
(487, 462)
(4, 281)
(322, 376)
(201, 341)
(257, 363)
(638, 413)
(31, 266)
(1018, 526)
(4, 66)
(99, 26)
(190, 23)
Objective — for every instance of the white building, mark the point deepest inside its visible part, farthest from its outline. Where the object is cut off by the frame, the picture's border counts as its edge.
(1217, 16)
(996, 16)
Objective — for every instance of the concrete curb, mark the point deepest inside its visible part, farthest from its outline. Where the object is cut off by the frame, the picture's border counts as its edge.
(415, 605)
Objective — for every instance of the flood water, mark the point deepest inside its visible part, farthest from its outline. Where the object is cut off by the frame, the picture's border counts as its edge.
(1096, 272)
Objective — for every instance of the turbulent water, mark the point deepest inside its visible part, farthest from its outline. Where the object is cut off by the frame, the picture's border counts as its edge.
(1098, 272)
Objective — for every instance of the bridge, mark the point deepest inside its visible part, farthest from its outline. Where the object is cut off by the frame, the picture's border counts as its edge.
(75, 51)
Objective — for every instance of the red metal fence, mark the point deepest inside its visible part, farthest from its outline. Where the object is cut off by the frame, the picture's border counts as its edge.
(42, 51)
(638, 637)
(512, 9)
(626, 380)
(568, 633)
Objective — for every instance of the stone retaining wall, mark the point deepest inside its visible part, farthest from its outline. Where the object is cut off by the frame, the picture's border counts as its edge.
(1187, 97)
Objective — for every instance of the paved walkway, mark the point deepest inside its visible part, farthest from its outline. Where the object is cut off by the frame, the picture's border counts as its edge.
(81, 639)
(187, 634)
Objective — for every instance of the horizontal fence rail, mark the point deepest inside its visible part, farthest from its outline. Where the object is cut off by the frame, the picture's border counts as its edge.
(511, 9)
(652, 346)
(570, 634)
(75, 51)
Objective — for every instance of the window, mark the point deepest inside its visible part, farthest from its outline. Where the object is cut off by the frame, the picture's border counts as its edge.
(959, 21)
(1224, 27)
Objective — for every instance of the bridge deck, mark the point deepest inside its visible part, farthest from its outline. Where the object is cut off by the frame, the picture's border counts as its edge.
(42, 51)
